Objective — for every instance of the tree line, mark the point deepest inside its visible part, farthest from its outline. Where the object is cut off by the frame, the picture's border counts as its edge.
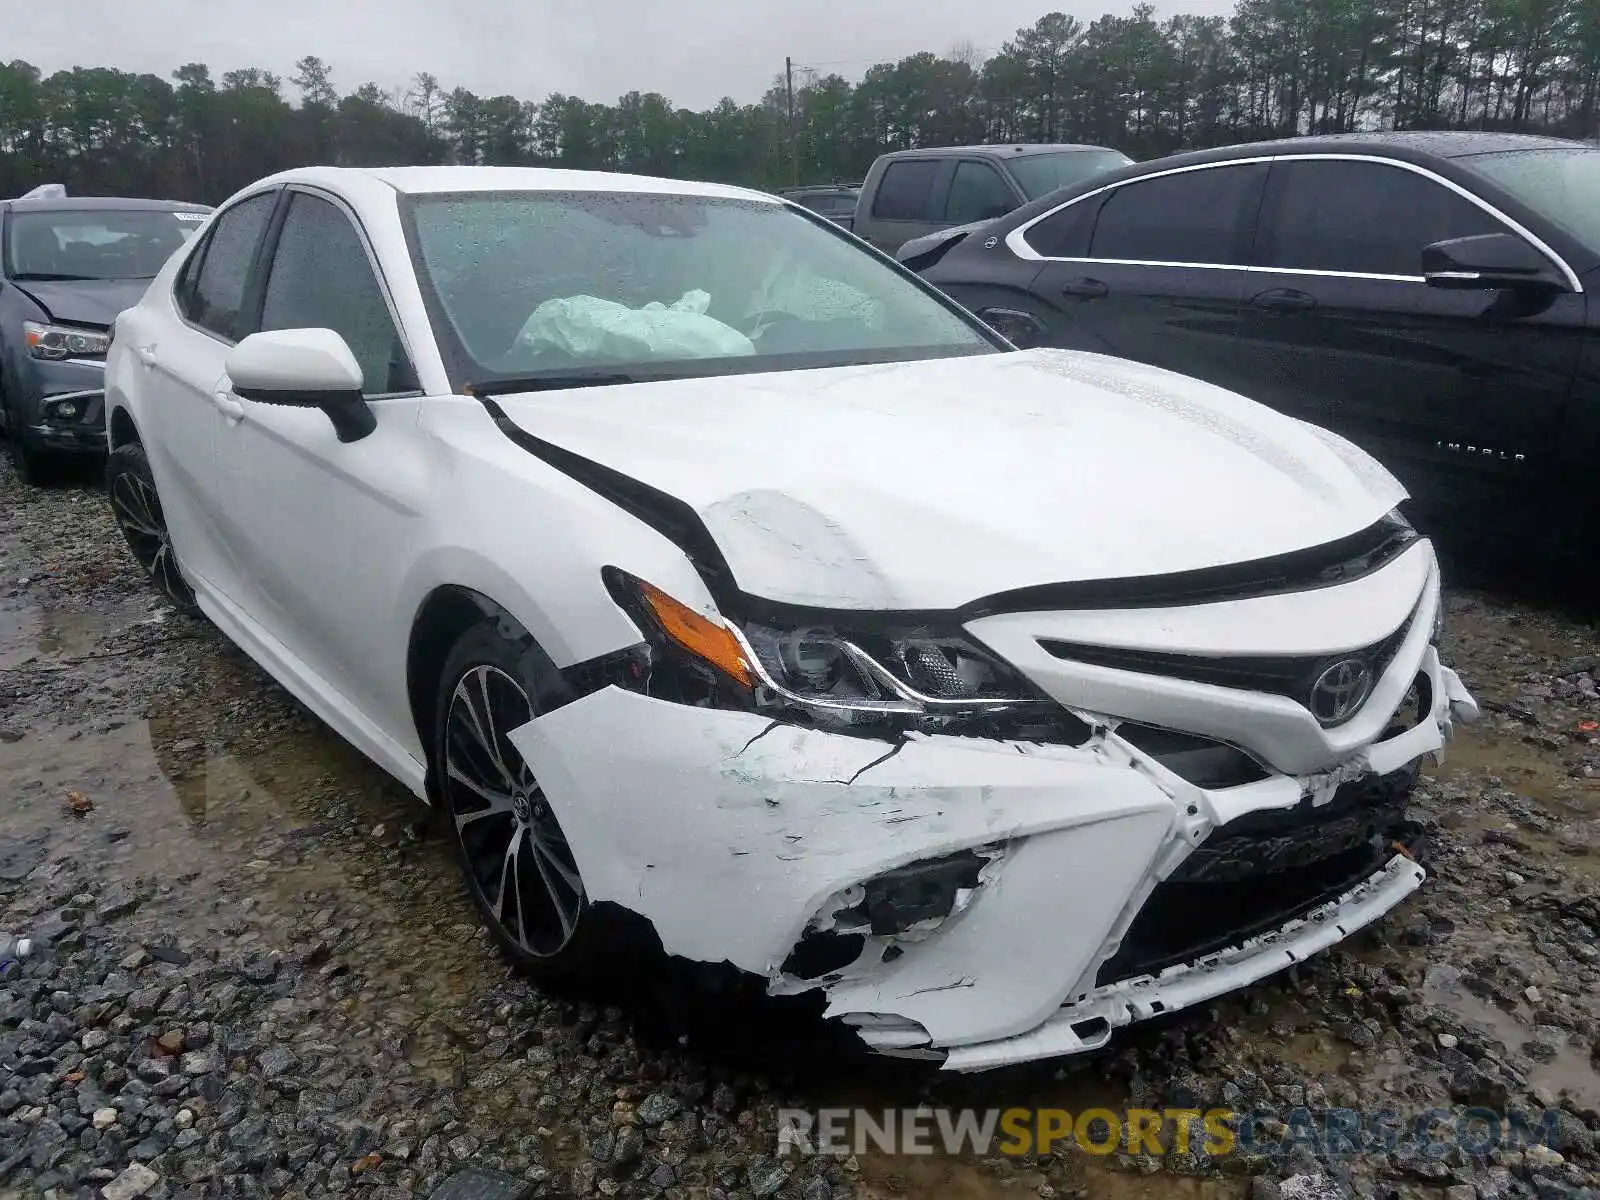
(1145, 86)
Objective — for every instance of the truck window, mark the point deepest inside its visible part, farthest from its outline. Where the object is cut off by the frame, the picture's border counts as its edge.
(977, 193)
(905, 190)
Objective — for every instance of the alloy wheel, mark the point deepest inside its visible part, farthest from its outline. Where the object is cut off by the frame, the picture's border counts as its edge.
(517, 855)
(137, 509)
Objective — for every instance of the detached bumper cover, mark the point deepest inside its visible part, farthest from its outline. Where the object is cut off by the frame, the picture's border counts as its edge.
(734, 835)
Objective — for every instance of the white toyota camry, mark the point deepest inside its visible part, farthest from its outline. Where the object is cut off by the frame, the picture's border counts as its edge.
(720, 580)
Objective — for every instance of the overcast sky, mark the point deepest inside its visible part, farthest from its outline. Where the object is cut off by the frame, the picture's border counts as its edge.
(693, 51)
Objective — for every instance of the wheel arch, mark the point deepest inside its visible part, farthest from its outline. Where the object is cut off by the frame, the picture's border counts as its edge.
(121, 428)
(445, 614)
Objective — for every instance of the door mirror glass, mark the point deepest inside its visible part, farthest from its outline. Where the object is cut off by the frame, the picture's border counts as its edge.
(1489, 260)
(303, 368)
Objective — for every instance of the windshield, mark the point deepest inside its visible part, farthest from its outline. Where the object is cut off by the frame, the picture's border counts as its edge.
(1040, 174)
(1560, 184)
(95, 243)
(662, 285)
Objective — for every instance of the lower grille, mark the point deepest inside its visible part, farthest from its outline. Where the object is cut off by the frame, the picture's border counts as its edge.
(1262, 871)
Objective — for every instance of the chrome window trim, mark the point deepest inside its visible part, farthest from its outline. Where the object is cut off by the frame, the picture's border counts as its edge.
(1016, 240)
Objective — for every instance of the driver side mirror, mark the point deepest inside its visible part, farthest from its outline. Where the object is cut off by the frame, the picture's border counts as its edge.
(1486, 261)
(303, 368)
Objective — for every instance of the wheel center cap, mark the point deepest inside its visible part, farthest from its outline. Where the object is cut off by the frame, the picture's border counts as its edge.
(521, 807)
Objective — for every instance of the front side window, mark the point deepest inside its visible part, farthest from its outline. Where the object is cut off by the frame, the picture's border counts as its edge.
(1040, 174)
(905, 193)
(95, 243)
(1368, 218)
(977, 193)
(664, 285)
(322, 279)
(1562, 185)
(212, 293)
(1198, 217)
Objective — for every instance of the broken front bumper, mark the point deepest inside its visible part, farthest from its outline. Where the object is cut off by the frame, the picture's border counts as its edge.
(742, 840)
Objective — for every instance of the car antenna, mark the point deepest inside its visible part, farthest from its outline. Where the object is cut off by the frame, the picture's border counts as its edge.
(46, 191)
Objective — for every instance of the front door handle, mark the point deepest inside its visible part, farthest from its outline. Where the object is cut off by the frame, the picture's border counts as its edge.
(1283, 300)
(1088, 289)
(230, 407)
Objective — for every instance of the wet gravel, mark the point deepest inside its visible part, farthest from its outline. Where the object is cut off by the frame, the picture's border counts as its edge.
(265, 979)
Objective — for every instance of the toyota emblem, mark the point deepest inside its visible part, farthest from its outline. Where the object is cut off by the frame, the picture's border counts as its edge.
(1340, 690)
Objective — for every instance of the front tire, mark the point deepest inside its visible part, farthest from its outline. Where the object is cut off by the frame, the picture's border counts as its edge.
(520, 871)
(137, 508)
(31, 466)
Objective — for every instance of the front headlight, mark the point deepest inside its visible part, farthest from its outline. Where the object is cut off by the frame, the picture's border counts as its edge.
(56, 342)
(846, 672)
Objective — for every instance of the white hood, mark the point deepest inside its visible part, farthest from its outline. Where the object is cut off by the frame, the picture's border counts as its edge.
(930, 484)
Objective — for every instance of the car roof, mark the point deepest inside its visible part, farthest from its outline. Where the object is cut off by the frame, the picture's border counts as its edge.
(421, 181)
(1411, 145)
(1017, 150)
(102, 203)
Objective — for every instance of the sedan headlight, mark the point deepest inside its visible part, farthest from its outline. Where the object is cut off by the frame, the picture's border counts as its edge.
(64, 341)
(843, 672)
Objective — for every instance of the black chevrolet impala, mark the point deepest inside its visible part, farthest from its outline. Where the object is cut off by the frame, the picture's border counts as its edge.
(1428, 295)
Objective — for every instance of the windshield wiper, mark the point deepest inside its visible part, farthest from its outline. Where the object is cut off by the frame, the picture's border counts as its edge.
(45, 277)
(547, 383)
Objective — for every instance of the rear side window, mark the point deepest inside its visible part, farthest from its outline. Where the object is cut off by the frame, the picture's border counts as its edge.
(977, 193)
(1366, 218)
(906, 189)
(1192, 217)
(211, 288)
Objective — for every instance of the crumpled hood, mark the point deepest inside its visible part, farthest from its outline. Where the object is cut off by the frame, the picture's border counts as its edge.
(85, 301)
(930, 484)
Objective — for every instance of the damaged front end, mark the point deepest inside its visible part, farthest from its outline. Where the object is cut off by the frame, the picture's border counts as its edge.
(1000, 837)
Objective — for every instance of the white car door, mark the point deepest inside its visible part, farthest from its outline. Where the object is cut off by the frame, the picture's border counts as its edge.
(323, 529)
(180, 351)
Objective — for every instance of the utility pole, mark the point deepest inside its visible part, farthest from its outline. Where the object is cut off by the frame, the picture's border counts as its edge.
(794, 146)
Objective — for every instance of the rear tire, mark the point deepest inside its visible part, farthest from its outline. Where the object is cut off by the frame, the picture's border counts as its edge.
(136, 505)
(520, 872)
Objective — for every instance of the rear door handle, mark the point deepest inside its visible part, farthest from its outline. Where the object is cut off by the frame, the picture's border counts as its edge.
(1283, 300)
(231, 408)
(147, 354)
(1089, 289)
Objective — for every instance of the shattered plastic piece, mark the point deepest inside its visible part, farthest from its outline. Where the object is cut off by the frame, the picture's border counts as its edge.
(587, 327)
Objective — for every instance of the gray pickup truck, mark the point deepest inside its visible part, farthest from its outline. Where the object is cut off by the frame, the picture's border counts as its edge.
(911, 193)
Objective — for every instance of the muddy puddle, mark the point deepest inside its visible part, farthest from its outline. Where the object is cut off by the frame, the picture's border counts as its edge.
(1558, 1064)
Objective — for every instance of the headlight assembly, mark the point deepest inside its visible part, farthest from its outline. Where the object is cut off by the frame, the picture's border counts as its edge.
(844, 672)
(64, 341)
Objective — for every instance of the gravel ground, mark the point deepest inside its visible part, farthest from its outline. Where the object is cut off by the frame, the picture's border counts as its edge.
(266, 980)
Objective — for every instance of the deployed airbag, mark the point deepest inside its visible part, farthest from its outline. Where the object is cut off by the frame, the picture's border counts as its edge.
(587, 327)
